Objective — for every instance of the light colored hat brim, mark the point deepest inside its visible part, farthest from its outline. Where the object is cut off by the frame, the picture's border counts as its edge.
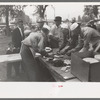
(47, 27)
(27, 31)
(40, 20)
(64, 26)
(73, 26)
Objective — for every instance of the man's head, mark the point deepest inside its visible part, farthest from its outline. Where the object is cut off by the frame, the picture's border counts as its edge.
(75, 28)
(58, 20)
(46, 29)
(65, 29)
(40, 23)
(33, 28)
(20, 23)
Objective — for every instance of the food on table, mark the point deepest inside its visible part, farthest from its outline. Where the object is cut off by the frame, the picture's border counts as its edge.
(58, 63)
(48, 49)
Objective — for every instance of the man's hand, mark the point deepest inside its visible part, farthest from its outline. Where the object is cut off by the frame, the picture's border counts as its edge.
(63, 51)
(83, 50)
(70, 51)
(90, 47)
(43, 53)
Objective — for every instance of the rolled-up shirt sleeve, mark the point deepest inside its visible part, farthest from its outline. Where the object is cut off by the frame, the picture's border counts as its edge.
(52, 31)
(80, 44)
(37, 43)
(87, 39)
(41, 44)
(34, 44)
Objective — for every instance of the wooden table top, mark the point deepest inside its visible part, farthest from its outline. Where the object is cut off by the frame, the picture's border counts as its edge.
(10, 58)
(57, 73)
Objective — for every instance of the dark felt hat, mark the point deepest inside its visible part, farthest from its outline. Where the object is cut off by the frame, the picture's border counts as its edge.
(58, 18)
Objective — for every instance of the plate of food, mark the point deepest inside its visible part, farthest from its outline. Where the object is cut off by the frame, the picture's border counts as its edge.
(48, 49)
(58, 63)
(58, 56)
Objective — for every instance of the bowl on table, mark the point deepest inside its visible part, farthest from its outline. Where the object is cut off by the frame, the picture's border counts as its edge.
(48, 49)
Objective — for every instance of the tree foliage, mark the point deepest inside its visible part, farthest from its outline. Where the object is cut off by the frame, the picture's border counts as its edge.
(10, 10)
(95, 10)
(88, 10)
(40, 10)
(91, 11)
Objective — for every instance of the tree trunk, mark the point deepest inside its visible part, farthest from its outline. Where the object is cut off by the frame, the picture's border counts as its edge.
(7, 21)
(42, 10)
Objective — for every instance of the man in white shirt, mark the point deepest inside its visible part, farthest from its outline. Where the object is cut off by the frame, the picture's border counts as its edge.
(55, 34)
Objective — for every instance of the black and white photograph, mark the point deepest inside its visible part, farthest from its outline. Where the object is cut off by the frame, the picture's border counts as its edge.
(50, 43)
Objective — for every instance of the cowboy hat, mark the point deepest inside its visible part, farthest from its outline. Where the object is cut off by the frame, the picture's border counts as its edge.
(58, 18)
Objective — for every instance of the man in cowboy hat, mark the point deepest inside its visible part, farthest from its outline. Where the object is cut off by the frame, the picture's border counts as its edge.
(56, 33)
(40, 23)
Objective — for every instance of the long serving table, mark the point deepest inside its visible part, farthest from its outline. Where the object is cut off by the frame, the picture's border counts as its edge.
(57, 73)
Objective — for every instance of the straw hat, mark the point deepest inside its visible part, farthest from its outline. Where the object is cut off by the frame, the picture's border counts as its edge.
(46, 26)
(40, 20)
(27, 32)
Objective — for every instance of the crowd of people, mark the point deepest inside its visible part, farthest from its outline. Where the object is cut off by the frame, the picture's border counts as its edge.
(29, 40)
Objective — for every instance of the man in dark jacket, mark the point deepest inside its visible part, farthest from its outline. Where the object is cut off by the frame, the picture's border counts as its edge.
(56, 35)
(17, 37)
